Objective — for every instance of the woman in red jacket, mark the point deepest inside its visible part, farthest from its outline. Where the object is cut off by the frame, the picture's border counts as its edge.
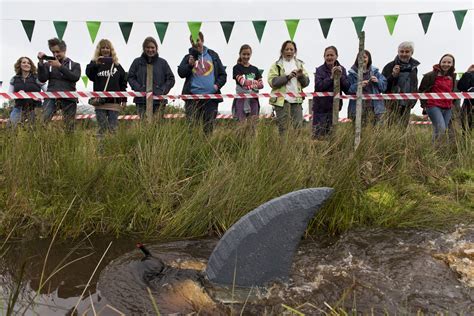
(441, 79)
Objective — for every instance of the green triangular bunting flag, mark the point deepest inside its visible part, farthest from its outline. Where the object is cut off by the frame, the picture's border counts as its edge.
(85, 79)
(459, 16)
(161, 28)
(391, 21)
(194, 28)
(260, 71)
(425, 20)
(358, 23)
(325, 26)
(459, 75)
(60, 27)
(126, 28)
(227, 28)
(29, 26)
(93, 27)
(259, 28)
(292, 25)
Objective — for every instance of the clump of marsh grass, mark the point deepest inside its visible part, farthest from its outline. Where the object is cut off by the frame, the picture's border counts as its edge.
(172, 180)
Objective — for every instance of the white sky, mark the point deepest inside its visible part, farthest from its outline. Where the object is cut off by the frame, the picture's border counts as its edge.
(442, 37)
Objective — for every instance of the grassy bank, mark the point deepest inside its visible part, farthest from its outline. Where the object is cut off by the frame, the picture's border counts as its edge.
(172, 181)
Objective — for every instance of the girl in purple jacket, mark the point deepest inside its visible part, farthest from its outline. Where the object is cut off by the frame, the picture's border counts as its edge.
(324, 82)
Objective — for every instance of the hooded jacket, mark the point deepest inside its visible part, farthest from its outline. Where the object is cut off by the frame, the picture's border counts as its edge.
(185, 70)
(63, 78)
(428, 82)
(373, 88)
(163, 77)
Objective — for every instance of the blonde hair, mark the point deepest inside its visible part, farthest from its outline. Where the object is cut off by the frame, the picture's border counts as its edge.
(17, 66)
(103, 43)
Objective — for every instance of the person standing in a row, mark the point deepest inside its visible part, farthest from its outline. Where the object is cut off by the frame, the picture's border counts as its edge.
(25, 80)
(61, 73)
(248, 80)
(286, 75)
(205, 74)
(324, 82)
(108, 75)
(163, 77)
(441, 79)
(373, 82)
(402, 77)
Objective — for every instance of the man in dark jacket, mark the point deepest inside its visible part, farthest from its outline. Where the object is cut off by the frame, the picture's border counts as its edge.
(402, 77)
(466, 84)
(62, 74)
(204, 74)
(163, 77)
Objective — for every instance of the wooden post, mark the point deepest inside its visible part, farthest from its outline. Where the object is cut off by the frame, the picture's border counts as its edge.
(360, 75)
(335, 102)
(149, 88)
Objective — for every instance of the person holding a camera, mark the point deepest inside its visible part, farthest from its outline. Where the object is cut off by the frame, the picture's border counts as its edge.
(402, 77)
(108, 75)
(204, 74)
(25, 80)
(61, 73)
(373, 82)
(288, 74)
(163, 77)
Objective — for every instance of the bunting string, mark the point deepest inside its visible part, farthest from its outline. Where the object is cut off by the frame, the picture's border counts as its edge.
(259, 26)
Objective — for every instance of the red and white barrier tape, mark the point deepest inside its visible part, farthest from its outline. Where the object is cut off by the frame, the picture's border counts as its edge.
(178, 116)
(124, 94)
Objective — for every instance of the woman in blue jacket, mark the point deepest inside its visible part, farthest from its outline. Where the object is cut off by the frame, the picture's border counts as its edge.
(373, 82)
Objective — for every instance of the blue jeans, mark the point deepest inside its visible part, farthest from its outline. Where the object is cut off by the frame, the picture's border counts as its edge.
(68, 108)
(20, 114)
(107, 120)
(440, 119)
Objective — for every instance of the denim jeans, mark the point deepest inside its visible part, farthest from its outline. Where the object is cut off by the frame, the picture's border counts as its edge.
(440, 119)
(68, 108)
(19, 114)
(107, 120)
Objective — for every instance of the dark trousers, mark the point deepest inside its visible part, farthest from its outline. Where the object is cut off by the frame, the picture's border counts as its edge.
(158, 108)
(399, 115)
(202, 112)
(322, 124)
(68, 108)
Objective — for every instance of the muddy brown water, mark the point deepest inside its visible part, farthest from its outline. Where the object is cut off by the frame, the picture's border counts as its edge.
(369, 270)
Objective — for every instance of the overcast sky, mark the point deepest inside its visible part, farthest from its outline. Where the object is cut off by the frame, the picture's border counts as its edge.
(442, 37)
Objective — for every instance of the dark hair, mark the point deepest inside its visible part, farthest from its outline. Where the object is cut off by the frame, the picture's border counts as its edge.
(450, 70)
(245, 46)
(285, 43)
(149, 40)
(57, 42)
(331, 47)
(369, 62)
(201, 36)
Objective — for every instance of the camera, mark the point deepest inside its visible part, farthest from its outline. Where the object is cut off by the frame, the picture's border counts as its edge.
(45, 57)
(194, 52)
(106, 60)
